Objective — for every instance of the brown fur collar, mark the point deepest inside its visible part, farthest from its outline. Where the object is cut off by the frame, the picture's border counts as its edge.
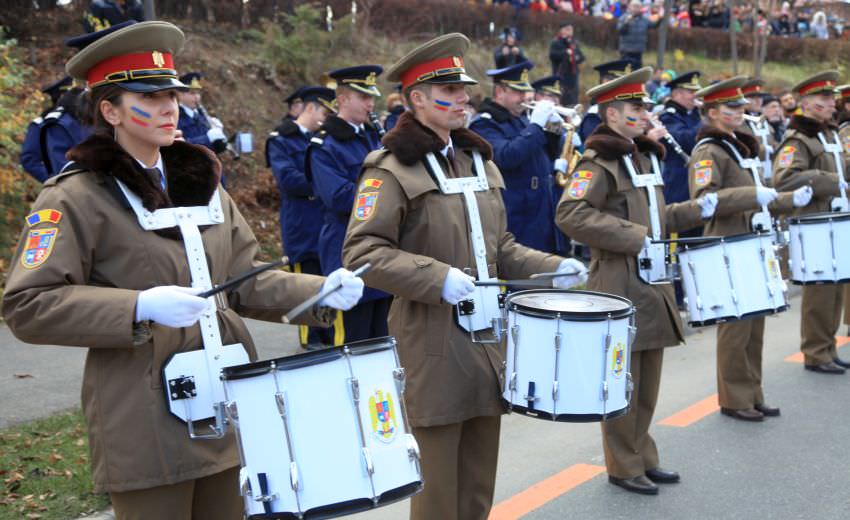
(409, 141)
(611, 146)
(192, 171)
(745, 143)
(808, 126)
(842, 117)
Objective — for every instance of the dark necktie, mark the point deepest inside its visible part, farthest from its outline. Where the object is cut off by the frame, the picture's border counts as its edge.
(450, 155)
(155, 176)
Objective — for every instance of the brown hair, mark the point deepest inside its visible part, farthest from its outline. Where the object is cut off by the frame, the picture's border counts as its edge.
(422, 87)
(92, 114)
(603, 109)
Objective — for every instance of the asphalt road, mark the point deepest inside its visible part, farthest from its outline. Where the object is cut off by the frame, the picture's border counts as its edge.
(794, 466)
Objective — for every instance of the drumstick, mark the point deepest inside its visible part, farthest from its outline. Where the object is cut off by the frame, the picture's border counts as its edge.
(515, 283)
(242, 277)
(309, 302)
(684, 240)
(552, 275)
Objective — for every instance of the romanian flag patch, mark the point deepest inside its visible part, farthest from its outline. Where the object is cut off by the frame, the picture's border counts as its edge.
(702, 176)
(370, 183)
(46, 215)
(579, 183)
(365, 205)
(38, 245)
(786, 156)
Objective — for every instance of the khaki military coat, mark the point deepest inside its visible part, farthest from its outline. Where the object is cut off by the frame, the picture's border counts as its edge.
(603, 209)
(84, 294)
(801, 160)
(412, 235)
(713, 168)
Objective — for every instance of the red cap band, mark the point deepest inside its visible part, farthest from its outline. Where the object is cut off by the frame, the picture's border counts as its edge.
(817, 86)
(724, 96)
(432, 69)
(622, 93)
(128, 63)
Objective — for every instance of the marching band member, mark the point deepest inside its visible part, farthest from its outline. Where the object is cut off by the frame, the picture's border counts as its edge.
(716, 166)
(757, 124)
(87, 273)
(525, 153)
(604, 207)
(419, 243)
(548, 88)
(333, 161)
(34, 158)
(197, 126)
(300, 210)
(682, 120)
(803, 159)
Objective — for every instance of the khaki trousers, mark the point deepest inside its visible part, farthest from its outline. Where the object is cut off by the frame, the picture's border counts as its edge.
(458, 468)
(739, 352)
(629, 448)
(209, 498)
(847, 304)
(821, 316)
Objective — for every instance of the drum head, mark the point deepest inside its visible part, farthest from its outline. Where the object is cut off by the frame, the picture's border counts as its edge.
(579, 305)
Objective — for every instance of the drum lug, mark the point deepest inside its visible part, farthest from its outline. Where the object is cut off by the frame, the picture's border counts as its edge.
(515, 334)
(630, 387)
(412, 448)
(605, 390)
(512, 383)
(218, 429)
(400, 379)
(555, 391)
(367, 458)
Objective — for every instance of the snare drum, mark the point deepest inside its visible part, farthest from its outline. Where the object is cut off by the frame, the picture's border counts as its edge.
(732, 278)
(568, 354)
(819, 248)
(323, 434)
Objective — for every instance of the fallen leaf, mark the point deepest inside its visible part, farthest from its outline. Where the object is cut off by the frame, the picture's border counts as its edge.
(23, 376)
(80, 442)
(55, 457)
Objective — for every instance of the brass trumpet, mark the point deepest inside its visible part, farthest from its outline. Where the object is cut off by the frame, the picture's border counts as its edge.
(570, 115)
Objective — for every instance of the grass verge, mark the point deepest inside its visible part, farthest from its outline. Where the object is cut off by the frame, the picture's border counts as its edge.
(44, 468)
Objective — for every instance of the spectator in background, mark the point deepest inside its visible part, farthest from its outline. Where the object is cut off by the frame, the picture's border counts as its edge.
(395, 108)
(819, 28)
(509, 52)
(697, 11)
(718, 16)
(772, 110)
(633, 28)
(789, 104)
(571, 58)
(103, 14)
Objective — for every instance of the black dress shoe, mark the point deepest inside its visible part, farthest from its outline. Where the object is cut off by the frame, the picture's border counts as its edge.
(750, 414)
(639, 484)
(826, 368)
(661, 476)
(840, 362)
(767, 411)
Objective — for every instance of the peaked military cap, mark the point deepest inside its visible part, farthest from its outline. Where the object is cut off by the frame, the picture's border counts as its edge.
(549, 85)
(614, 68)
(754, 87)
(688, 81)
(82, 41)
(514, 76)
(295, 97)
(138, 58)
(630, 87)
(323, 96)
(58, 86)
(437, 61)
(192, 80)
(362, 78)
(821, 83)
(842, 92)
(726, 92)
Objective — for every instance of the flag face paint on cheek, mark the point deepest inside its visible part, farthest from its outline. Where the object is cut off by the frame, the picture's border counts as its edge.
(439, 104)
(140, 117)
(631, 121)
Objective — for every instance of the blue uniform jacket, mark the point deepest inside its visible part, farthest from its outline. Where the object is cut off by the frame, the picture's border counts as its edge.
(589, 123)
(195, 129)
(60, 132)
(333, 163)
(392, 119)
(524, 154)
(31, 151)
(683, 126)
(300, 210)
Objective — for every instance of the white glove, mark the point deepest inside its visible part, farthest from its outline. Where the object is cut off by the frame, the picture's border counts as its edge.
(765, 196)
(555, 118)
(842, 184)
(171, 306)
(215, 134)
(216, 122)
(457, 287)
(708, 204)
(802, 196)
(542, 112)
(561, 165)
(348, 295)
(570, 265)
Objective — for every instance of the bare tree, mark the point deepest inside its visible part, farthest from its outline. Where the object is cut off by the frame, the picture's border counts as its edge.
(662, 33)
(733, 37)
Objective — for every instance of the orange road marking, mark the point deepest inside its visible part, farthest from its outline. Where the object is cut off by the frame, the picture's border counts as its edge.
(544, 491)
(798, 357)
(693, 413)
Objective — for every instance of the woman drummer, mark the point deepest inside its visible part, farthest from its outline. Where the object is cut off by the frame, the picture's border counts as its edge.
(716, 166)
(86, 273)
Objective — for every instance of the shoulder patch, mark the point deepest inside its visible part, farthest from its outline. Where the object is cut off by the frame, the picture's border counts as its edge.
(786, 156)
(485, 115)
(579, 181)
(274, 134)
(370, 183)
(38, 246)
(702, 172)
(45, 215)
(365, 205)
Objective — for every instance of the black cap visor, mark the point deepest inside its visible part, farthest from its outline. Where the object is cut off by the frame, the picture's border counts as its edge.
(144, 86)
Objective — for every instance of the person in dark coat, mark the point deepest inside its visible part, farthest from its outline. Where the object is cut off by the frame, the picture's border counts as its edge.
(32, 159)
(567, 54)
(509, 52)
(682, 119)
(197, 125)
(103, 14)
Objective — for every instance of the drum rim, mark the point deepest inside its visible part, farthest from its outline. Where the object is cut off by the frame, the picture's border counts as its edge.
(745, 316)
(571, 315)
(567, 417)
(815, 218)
(730, 238)
(305, 359)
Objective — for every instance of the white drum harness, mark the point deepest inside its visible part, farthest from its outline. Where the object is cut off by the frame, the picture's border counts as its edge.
(652, 264)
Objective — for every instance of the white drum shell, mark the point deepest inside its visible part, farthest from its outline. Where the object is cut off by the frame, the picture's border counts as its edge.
(819, 249)
(732, 279)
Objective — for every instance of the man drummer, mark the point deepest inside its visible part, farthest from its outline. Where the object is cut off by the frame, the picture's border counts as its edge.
(803, 159)
(718, 165)
(603, 207)
(417, 240)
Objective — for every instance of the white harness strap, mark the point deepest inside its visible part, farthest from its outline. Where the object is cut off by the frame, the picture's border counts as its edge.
(763, 217)
(648, 182)
(762, 131)
(467, 186)
(839, 203)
